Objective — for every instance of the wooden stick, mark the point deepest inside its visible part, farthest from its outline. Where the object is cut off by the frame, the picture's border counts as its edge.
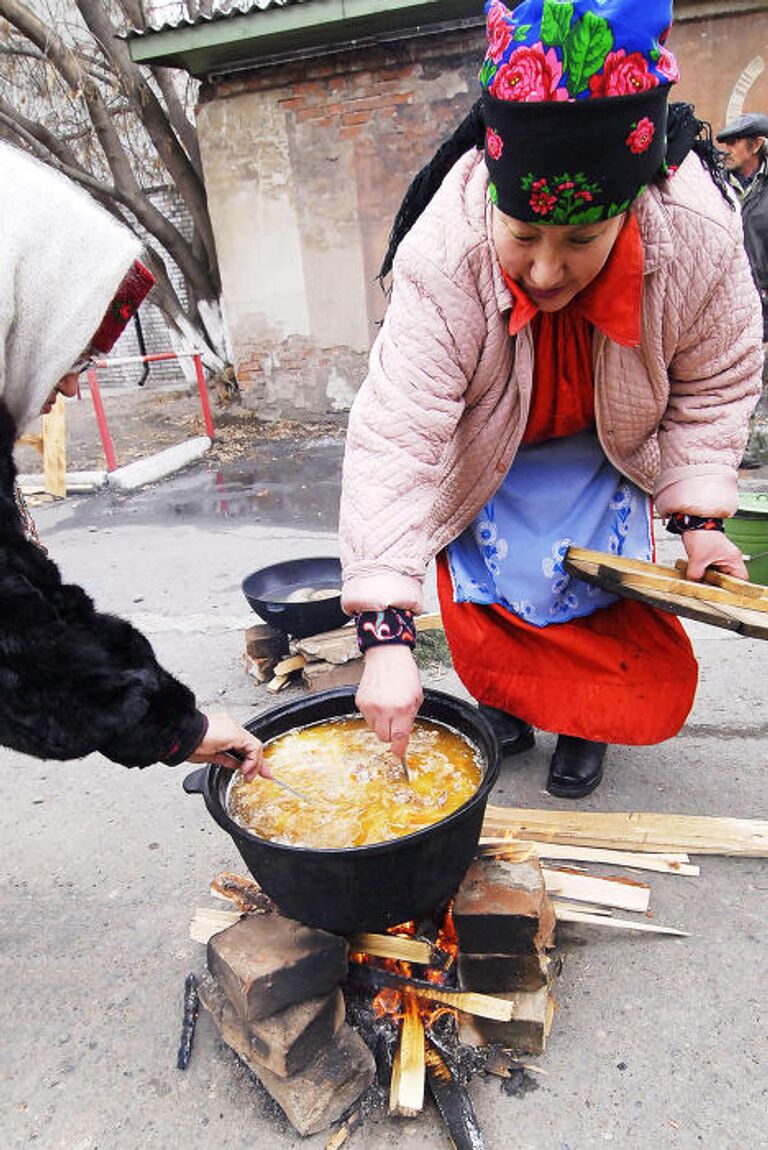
(581, 907)
(277, 684)
(55, 449)
(468, 1002)
(640, 831)
(670, 863)
(406, 1096)
(428, 622)
(566, 915)
(209, 921)
(623, 893)
(392, 946)
(292, 663)
(453, 1102)
(727, 582)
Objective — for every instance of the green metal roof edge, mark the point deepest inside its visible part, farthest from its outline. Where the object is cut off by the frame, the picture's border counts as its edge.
(281, 30)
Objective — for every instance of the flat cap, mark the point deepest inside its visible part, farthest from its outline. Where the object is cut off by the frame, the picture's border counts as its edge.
(751, 124)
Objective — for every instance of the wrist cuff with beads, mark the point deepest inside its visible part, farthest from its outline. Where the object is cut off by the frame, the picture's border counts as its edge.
(679, 522)
(394, 626)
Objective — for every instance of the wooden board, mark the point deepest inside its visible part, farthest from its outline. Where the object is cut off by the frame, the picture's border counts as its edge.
(744, 611)
(637, 831)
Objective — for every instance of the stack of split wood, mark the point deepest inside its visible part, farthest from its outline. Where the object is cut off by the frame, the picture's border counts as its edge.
(331, 659)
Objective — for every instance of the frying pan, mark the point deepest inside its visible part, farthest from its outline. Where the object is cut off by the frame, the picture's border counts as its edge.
(268, 588)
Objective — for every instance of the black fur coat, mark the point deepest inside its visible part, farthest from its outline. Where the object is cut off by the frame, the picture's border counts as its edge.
(73, 680)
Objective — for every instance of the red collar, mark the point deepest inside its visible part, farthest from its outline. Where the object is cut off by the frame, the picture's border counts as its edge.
(612, 302)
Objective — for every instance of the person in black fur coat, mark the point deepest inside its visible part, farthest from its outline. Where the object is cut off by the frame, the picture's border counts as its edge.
(74, 680)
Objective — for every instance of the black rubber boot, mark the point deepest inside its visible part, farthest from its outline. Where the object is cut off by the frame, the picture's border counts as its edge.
(576, 768)
(514, 735)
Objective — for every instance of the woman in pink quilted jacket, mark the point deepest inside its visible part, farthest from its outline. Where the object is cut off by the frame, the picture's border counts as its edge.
(573, 332)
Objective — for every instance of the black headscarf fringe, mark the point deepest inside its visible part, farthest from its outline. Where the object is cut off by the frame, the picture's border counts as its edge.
(685, 133)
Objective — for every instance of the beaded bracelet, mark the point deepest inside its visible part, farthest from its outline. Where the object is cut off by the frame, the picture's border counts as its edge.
(680, 522)
(393, 626)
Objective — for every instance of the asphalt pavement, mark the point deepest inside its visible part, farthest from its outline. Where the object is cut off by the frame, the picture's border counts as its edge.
(657, 1042)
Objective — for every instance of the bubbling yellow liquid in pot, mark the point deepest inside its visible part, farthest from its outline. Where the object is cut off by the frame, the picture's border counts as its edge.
(362, 793)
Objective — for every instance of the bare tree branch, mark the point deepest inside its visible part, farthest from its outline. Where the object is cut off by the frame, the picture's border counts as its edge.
(182, 126)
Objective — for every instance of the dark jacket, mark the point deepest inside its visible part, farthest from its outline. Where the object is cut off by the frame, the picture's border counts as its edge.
(73, 680)
(754, 211)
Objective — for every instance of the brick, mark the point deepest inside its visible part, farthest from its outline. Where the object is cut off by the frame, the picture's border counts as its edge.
(498, 973)
(320, 1093)
(266, 963)
(285, 1042)
(264, 642)
(502, 907)
(324, 676)
(259, 669)
(526, 1033)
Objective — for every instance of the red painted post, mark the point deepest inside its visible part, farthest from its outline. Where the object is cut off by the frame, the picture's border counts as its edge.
(101, 419)
(204, 402)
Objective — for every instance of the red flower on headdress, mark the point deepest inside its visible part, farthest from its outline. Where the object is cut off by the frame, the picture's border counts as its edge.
(542, 201)
(623, 75)
(499, 32)
(530, 75)
(494, 145)
(640, 138)
(667, 66)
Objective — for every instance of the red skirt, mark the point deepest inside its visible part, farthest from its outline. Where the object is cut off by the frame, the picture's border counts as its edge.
(626, 674)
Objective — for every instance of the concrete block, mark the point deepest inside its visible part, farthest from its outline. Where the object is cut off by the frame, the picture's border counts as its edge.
(154, 467)
(502, 907)
(497, 973)
(319, 1094)
(285, 1042)
(525, 1033)
(325, 676)
(264, 642)
(265, 963)
(337, 647)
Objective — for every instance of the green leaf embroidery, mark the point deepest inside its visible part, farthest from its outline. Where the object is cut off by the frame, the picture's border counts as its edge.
(618, 209)
(522, 32)
(487, 72)
(493, 194)
(556, 20)
(589, 43)
(587, 216)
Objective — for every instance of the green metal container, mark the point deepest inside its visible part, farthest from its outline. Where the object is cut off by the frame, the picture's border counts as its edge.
(748, 529)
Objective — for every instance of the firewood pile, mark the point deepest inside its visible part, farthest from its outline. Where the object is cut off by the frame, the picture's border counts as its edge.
(321, 662)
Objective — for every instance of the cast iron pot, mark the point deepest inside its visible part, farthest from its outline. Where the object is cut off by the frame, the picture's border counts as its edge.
(361, 888)
(267, 589)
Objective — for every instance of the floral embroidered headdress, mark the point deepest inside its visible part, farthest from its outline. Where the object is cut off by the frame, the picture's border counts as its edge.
(575, 105)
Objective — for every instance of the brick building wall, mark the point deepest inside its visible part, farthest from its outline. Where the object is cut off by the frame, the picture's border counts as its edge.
(306, 164)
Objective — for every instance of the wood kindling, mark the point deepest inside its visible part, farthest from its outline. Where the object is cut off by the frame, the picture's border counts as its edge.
(392, 946)
(406, 1095)
(639, 831)
(519, 850)
(623, 893)
(453, 1102)
(567, 914)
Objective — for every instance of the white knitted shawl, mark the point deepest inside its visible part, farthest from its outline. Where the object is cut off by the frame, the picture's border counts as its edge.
(62, 258)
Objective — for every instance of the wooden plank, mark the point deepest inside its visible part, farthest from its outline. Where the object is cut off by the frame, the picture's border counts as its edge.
(727, 582)
(622, 893)
(392, 946)
(406, 1096)
(469, 1002)
(567, 915)
(637, 830)
(55, 449)
(277, 683)
(668, 863)
(673, 585)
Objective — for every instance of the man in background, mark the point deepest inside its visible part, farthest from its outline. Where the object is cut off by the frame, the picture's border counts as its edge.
(745, 142)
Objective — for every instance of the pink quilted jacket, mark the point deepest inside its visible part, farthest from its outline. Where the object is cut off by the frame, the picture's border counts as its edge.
(439, 418)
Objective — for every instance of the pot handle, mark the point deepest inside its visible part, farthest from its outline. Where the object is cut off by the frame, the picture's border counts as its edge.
(194, 784)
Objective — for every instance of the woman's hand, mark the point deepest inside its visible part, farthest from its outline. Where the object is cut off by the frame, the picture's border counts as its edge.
(390, 694)
(712, 549)
(223, 735)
